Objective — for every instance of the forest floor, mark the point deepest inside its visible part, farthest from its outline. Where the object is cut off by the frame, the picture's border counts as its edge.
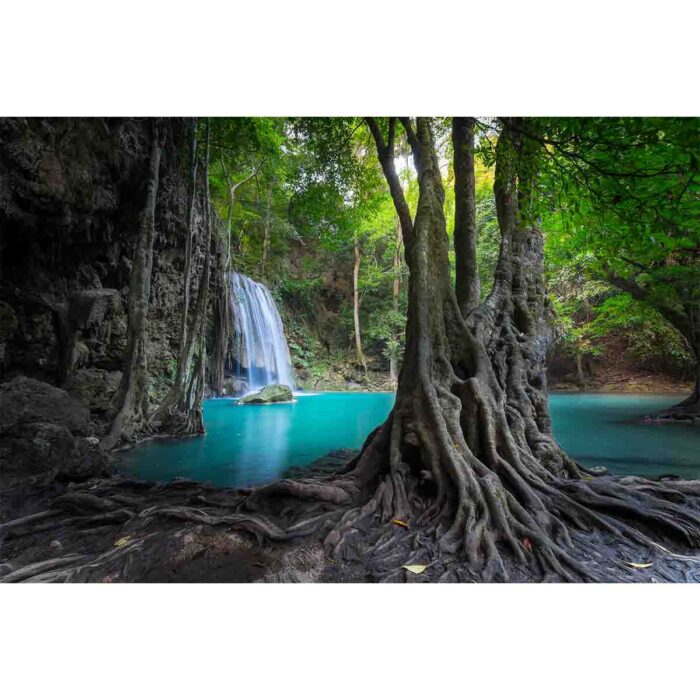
(117, 530)
(122, 530)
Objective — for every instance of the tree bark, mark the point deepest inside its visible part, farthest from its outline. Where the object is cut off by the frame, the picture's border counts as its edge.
(580, 374)
(467, 457)
(356, 305)
(222, 317)
(178, 412)
(233, 242)
(182, 359)
(395, 289)
(131, 398)
(467, 283)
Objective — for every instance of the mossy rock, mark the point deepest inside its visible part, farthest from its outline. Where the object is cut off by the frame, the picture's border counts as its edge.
(275, 393)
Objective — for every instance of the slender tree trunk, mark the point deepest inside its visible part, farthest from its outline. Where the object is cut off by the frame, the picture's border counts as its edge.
(396, 288)
(175, 413)
(182, 359)
(233, 245)
(131, 398)
(222, 317)
(195, 419)
(356, 305)
(187, 324)
(580, 374)
(467, 283)
(229, 217)
(266, 228)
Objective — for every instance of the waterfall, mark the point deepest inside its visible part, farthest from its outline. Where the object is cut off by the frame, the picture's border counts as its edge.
(259, 344)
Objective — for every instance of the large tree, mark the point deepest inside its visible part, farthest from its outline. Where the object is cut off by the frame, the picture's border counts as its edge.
(465, 475)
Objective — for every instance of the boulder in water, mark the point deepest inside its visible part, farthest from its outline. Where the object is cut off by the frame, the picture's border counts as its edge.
(274, 393)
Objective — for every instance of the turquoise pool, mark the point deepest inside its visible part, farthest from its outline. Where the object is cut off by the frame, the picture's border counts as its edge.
(247, 445)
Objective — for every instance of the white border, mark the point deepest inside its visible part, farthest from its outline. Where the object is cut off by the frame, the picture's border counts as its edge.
(313, 57)
(141, 57)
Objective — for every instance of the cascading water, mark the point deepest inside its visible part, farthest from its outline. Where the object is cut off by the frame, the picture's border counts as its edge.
(258, 340)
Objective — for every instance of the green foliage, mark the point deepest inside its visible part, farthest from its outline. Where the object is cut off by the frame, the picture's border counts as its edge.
(614, 196)
(627, 191)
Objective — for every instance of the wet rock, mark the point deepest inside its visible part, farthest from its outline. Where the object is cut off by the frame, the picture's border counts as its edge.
(42, 436)
(275, 393)
(24, 401)
(94, 388)
(234, 387)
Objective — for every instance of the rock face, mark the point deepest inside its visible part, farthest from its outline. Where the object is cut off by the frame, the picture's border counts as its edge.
(71, 193)
(93, 387)
(25, 401)
(43, 435)
(275, 393)
(235, 387)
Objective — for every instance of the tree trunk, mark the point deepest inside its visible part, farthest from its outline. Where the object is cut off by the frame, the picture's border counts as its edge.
(222, 315)
(195, 419)
(467, 283)
(466, 457)
(182, 359)
(233, 244)
(580, 375)
(689, 409)
(356, 306)
(131, 398)
(266, 229)
(464, 477)
(396, 287)
(177, 412)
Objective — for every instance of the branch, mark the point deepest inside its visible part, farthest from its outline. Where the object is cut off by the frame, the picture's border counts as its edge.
(630, 285)
(413, 142)
(250, 177)
(386, 159)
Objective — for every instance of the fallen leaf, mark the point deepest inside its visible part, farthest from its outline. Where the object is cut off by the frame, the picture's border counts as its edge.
(527, 544)
(635, 565)
(415, 568)
(400, 523)
(122, 541)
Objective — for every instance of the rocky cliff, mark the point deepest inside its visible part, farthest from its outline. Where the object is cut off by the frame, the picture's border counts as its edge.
(70, 195)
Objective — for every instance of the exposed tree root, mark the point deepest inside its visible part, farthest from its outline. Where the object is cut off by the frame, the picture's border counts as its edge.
(587, 529)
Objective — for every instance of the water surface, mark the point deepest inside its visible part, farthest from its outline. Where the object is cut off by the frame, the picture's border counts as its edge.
(247, 445)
